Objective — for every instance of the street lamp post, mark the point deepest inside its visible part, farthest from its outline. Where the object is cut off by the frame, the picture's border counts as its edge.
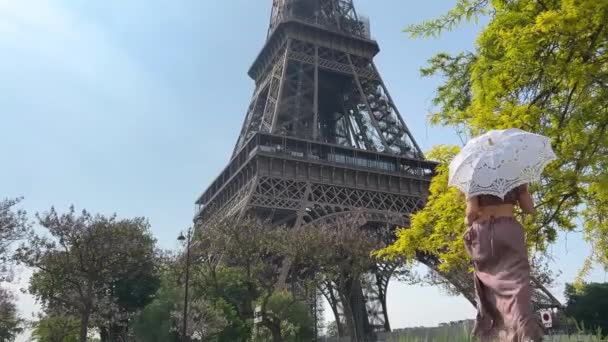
(181, 238)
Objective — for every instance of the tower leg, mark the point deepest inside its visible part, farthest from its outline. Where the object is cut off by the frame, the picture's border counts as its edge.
(359, 305)
(330, 292)
(375, 293)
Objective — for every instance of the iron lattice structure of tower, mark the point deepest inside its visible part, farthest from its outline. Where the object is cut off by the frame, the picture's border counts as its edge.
(322, 139)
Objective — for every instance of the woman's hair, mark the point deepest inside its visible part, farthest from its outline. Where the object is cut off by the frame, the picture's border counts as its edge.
(510, 198)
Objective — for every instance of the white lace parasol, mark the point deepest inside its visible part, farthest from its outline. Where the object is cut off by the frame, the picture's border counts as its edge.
(498, 161)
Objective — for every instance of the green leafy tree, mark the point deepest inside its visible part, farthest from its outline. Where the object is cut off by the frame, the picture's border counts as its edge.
(86, 263)
(10, 323)
(538, 65)
(588, 305)
(238, 261)
(204, 320)
(438, 227)
(223, 290)
(56, 329)
(289, 317)
(229, 288)
(154, 323)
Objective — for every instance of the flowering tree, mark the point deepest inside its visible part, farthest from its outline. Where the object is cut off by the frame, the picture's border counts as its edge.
(88, 264)
(13, 227)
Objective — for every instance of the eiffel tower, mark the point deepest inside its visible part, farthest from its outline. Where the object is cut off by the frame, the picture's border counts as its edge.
(322, 139)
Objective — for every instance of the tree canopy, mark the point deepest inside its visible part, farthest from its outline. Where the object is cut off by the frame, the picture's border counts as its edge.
(154, 323)
(13, 228)
(588, 305)
(96, 268)
(239, 261)
(538, 65)
(56, 329)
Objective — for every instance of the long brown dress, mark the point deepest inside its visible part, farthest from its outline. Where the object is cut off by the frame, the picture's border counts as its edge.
(498, 250)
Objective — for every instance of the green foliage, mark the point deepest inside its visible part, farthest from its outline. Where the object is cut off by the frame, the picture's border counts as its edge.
(246, 271)
(539, 66)
(154, 323)
(588, 305)
(237, 329)
(293, 318)
(205, 320)
(10, 323)
(252, 254)
(456, 333)
(240, 262)
(228, 288)
(463, 10)
(437, 228)
(462, 333)
(161, 320)
(99, 269)
(56, 329)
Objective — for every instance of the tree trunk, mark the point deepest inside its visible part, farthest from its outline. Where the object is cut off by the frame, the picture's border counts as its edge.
(275, 330)
(84, 325)
(343, 287)
(104, 336)
(350, 322)
(355, 313)
(359, 311)
(118, 333)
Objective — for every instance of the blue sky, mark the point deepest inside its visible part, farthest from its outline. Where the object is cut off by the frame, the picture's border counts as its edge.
(133, 107)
